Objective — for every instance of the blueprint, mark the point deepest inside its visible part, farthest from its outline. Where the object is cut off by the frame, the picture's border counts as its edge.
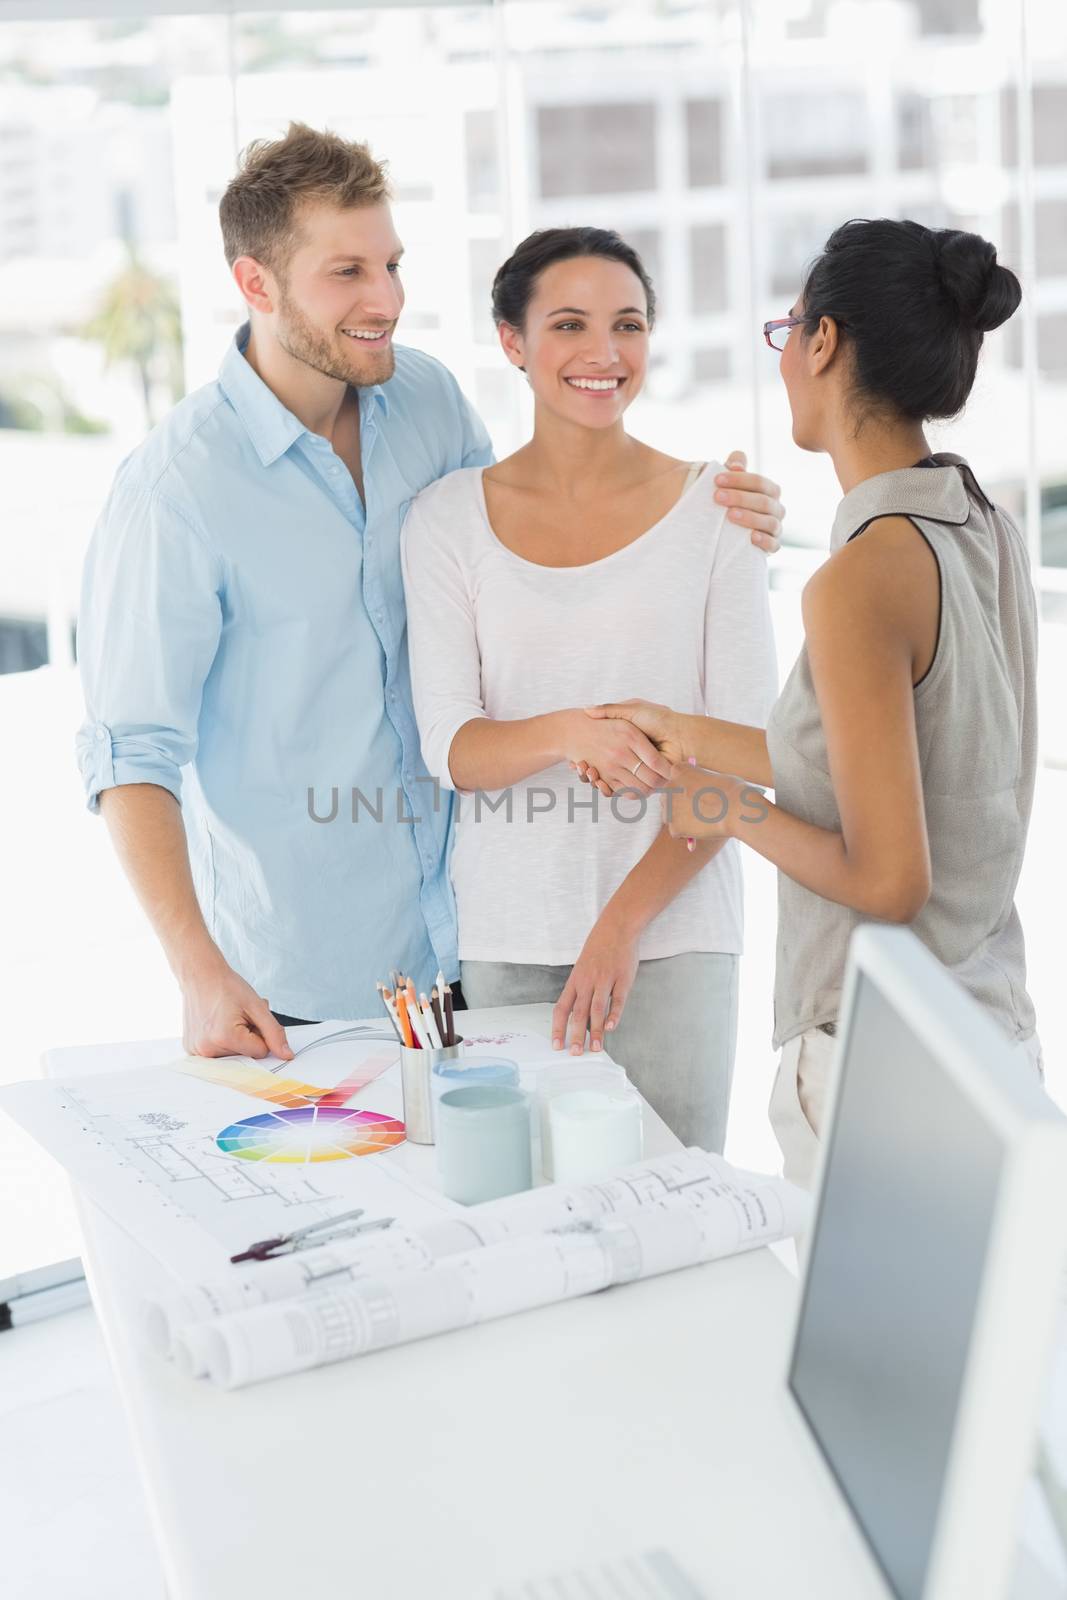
(505, 1255)
(529, 1250)
(197, 1159)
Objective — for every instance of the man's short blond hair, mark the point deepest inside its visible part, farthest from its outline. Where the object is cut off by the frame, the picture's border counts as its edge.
(260, 211)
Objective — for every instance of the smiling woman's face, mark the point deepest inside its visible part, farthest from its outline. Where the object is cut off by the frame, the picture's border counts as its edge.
(585, 340)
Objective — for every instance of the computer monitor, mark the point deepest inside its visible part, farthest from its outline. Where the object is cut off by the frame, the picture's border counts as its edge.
(932, 1275)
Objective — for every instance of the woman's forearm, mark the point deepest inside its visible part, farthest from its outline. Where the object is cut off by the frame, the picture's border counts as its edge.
(727, 747)
(650, 886)
(819, 860)
(487, 754)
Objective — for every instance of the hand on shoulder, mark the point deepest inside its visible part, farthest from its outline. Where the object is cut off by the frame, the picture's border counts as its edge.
(753, 501)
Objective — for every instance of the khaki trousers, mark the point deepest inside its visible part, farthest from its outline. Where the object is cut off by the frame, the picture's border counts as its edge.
(801, 1088)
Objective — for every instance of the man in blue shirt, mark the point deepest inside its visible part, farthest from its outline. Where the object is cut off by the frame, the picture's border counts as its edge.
(249, 735)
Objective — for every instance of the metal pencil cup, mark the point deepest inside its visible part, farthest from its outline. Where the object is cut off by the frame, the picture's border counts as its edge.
(416, 1067)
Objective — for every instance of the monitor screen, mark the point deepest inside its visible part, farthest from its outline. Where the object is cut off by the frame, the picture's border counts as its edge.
(897, 1255)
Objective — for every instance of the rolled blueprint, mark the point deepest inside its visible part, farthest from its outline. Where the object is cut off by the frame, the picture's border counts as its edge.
(602, 1236)
(399, 1249)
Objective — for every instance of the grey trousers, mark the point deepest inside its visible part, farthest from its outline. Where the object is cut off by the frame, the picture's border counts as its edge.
(676, 1038)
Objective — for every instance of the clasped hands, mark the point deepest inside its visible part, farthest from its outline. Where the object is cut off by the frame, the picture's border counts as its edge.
(638, 747)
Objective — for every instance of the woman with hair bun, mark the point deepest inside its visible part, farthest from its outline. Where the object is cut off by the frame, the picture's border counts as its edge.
(586, 560)
(902, 750)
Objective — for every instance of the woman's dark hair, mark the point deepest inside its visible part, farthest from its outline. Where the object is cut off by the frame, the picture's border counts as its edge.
(914, 303)
(516, 280)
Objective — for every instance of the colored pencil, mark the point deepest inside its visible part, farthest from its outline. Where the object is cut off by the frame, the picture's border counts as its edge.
(394, 1013)
(436, 1041)
(405, 1021)
(387, 1002)
(435, 1003)
(415, 1017)
(450, 1027)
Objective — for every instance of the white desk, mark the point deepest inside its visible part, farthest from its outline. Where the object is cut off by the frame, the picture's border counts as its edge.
(647, 1415)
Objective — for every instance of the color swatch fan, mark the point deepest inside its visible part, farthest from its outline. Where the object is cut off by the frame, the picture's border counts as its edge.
(313, 1133)
(311, 1124)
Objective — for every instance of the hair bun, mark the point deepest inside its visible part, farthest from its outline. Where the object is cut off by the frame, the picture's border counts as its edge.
(984, 293)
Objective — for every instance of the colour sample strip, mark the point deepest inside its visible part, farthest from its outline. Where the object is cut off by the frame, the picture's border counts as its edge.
(292, 1093)
(311, 1133)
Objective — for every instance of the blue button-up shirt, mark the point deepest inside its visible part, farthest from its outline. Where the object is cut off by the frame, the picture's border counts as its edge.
(242, 643)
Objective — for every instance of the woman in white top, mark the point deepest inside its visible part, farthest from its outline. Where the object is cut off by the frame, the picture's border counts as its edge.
(584, 560)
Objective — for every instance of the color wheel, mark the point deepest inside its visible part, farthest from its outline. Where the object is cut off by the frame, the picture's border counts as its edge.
(310, 1133)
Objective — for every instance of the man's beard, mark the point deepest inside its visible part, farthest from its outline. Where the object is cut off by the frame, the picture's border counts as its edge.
(300, 339)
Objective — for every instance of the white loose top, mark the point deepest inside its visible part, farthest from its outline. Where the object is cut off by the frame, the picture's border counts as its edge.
(679, 616)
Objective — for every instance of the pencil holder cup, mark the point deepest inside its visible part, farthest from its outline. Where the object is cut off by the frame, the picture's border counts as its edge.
(483, 1143)
(416, 1070)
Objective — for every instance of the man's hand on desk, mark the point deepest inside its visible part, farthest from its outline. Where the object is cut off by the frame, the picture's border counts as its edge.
(222, 1015)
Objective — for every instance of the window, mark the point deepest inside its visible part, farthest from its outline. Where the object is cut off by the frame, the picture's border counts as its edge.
(648, 243)
(1050, 125)
(1050, 230)
(915, 138)
(707, 265)
(711, 366)
(795, 239)
(23, 645)
(483, 166)
(494, 388)
(949, 16)
(814, 135)
(703, 122)
(596, 149)
(1052, 344)
(486, 255)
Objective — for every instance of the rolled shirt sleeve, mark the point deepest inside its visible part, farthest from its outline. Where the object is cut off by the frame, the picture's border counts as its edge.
(446, 668)
(148, 629)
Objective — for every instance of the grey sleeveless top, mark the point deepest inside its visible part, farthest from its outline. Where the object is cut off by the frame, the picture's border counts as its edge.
(976, 719)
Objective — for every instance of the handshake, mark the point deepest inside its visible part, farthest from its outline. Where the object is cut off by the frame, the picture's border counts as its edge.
(644, 748)
(629, 744)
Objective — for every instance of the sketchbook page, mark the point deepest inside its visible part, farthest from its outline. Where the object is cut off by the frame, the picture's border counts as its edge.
(477, 1285)
(198, 1159)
